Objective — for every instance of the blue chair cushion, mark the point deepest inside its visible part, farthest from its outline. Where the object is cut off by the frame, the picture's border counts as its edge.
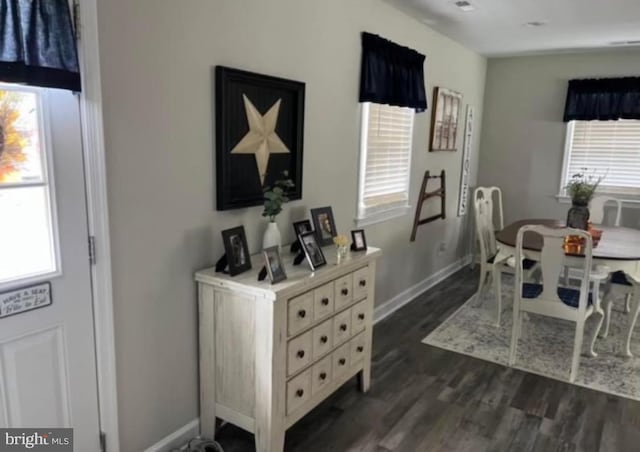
(619, 278)
(527, 264)
(570, 297)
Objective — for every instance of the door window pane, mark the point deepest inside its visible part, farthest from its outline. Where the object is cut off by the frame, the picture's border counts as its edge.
(27, 242)
(20, 150)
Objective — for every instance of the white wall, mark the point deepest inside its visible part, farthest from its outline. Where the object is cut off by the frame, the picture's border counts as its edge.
(523, 135)
(157, 59)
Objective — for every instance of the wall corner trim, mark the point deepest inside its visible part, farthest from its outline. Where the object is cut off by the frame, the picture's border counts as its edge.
(387, 308)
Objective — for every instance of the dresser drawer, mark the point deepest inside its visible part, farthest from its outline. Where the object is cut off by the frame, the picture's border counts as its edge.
(358, 347)
(320, 375)
(341, 327)
(359, 314)
(299, 352)
(341, 359)
(343, 289)
(298, 391)
(300, 313)
(360, 283)
(323, 301)
(322, 338)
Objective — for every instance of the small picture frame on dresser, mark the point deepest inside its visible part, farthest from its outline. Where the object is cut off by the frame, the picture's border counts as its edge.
(273, 263)
(324, 225)
(237, 250)
(359, 241)
(312, 250)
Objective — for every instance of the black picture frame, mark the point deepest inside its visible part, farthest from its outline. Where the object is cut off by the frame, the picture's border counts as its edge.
(302, 227)
(237, 250)
(358, 240)
(312, 250)
(324, 225)
(274, 265)
(238, 180)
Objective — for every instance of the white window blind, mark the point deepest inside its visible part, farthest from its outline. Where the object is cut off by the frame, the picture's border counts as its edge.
(606, 148)
(386, 159)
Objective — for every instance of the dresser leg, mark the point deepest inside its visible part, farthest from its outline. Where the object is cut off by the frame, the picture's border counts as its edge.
(269, 440)
(364, 378)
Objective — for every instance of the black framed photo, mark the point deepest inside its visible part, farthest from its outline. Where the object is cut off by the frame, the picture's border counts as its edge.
(259, 135)
(312, 250)
(301, 227)
(274, 265)
(236, 249)
(324, 225)
(359, 241)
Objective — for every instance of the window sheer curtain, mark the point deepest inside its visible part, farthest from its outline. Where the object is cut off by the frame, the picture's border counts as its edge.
(603, 99)
(37, 44)
(391, 74)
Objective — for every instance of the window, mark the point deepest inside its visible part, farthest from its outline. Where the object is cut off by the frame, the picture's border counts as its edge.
(608, 148)
(385, 162)
(27, 244)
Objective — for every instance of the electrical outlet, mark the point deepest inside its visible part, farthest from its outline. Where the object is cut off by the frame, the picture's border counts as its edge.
(442, 247)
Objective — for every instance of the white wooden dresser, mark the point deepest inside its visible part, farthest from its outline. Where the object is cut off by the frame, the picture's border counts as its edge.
(271, 353)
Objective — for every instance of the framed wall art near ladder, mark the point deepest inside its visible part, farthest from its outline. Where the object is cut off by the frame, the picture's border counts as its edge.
(466, 163)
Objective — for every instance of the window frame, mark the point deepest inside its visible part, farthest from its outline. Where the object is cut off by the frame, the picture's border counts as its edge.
(48, 182)
(362, 217)
(562, 196)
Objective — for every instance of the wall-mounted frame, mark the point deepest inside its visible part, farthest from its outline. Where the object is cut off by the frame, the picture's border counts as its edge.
(444, 119)
(259, 135)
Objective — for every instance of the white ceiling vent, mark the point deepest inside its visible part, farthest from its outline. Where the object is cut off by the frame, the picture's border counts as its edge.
(464, 5)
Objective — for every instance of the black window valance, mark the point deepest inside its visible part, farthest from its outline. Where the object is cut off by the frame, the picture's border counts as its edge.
(37, 44)
(391, 74)
(603, 99)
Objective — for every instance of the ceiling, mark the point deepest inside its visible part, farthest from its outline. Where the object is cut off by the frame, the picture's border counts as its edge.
(499, 27)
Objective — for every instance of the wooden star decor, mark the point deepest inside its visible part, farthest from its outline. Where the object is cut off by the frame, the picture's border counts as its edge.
(261, 139)
(259, 135)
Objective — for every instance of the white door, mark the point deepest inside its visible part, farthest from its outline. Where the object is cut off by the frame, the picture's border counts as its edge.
(47, 355)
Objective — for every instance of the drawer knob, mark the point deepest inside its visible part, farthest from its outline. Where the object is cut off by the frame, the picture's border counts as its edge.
(361, 316)
(300, 392)
(360, 349)
(302, 313)
(323, 376)
(300, 353)
(363, 283)
(325, 301)
(324, 339)
(342, 361)
(345, 291)
(343, 327)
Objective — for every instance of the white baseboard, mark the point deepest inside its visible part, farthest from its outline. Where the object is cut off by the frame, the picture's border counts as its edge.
(389, 307)
(180, 437)
(177, 439)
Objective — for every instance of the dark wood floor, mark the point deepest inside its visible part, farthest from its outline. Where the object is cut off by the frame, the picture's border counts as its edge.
(426, 399)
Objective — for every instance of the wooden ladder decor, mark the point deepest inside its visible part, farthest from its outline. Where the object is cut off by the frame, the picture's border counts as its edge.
(424, 195)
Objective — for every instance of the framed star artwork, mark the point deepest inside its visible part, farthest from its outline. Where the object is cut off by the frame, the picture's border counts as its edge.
(259, 135)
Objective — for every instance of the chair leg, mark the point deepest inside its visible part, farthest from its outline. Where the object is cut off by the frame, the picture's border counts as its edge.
(497, 284)
(515, 333)
(607, 305)
(577, 350)
(592, 351)
(635, 302)
(627, 303)
(481, 284)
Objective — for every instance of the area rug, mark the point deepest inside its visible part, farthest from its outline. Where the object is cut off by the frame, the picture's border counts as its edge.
(545, 347)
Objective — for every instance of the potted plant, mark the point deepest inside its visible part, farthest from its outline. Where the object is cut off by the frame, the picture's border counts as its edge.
(274, 198)
(581, 189)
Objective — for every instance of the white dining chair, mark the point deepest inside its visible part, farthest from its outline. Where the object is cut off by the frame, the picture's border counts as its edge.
(494, 196)
(490, 268)
(597, 209)
(620, 284)
(551, 300)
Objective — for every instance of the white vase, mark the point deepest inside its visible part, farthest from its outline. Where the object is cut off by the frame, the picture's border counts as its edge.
(271, 236)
